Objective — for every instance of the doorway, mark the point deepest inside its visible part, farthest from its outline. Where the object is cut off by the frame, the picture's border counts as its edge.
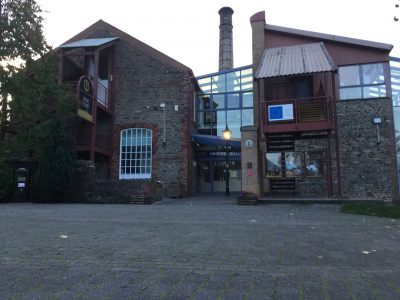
(211, 178)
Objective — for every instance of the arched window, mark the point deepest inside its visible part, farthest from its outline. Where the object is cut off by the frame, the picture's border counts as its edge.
(135, 153)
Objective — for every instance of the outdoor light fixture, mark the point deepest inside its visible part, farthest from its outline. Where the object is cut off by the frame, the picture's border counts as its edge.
(377, 122)
(162, 106)
(227, 136)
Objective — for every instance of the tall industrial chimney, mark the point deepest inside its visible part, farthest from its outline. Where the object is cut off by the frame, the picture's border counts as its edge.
(225, 39)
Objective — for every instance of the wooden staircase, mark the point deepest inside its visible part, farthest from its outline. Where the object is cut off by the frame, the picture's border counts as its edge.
(280, 142)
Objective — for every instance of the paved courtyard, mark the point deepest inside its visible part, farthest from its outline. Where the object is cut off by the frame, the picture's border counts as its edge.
(196, 248)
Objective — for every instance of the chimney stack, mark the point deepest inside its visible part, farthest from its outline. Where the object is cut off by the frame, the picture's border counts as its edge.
(225, 39)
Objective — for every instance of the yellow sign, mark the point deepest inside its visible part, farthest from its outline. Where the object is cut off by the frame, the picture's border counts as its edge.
(85, 115)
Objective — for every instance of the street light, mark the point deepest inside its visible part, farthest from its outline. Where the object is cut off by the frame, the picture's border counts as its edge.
(227, 136)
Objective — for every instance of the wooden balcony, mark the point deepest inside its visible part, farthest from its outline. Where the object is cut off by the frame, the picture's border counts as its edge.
(83, 139)
(295, 115)
(104, 94)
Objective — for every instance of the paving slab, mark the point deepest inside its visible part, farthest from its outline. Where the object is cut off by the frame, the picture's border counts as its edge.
(196, 248)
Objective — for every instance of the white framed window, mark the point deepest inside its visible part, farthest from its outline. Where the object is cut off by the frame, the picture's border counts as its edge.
(135, 153)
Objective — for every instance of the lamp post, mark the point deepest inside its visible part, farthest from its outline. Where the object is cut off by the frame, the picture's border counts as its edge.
(227, 136)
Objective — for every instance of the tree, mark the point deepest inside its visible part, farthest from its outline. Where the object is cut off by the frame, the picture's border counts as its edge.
(57, 163)
(6, 181)
(39, 110)
(36, 97)
(21, 40)
(32, 102)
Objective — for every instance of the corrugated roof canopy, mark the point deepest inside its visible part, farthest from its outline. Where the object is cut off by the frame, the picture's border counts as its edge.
(89, 43)
(292, 60)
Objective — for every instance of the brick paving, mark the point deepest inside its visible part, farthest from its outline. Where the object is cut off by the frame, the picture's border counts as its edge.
(196, 248)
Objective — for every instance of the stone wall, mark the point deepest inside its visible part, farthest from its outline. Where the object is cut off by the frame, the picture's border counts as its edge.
(123, 191)
(142, 81)
(142, 84)
(366, 164)
(314, 186)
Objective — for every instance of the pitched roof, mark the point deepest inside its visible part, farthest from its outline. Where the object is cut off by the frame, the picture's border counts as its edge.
(292, 60)
(330, 37)
(114, 31)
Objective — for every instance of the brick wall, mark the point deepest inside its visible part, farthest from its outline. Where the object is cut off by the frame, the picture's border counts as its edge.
(143, 80)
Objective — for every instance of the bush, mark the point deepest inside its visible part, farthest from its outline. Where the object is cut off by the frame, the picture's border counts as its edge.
(56, 165)
(6, 182)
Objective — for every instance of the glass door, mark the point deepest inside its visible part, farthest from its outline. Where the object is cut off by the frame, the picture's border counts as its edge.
(219, 183)
(211, 176)
(204, 182)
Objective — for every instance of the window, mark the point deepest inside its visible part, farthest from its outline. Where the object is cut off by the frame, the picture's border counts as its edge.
(294, 164)
(218, 101)
(273, 164)
(135, 153)
(314, 164)
(362, 81)
(247, 99)
(225, 99)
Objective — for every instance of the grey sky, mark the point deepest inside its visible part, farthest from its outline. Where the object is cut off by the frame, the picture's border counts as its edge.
(187, 30)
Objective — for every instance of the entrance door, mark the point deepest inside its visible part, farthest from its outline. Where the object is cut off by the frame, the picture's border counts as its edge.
(211, 177)
(204, 177)
(219, 182)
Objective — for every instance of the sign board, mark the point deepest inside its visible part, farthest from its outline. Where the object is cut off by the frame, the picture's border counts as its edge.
(249, 143)
(282, 112)
(85, 98)
(223, 153)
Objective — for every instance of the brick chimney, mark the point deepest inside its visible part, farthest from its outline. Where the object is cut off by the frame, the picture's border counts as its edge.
(225, 39)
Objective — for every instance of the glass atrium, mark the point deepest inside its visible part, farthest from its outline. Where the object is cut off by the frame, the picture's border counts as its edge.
(225, 99)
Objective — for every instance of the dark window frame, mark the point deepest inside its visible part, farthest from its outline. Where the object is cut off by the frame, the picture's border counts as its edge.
(363, 85)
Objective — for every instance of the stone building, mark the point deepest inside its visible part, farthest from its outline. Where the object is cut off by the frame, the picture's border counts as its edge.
(135, 110)
(323, 117)
(311, 117)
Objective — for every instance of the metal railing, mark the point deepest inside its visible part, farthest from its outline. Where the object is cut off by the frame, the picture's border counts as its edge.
(102, 94)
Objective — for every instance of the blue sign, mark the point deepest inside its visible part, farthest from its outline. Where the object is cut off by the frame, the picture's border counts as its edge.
(283, 112)
(275, 113)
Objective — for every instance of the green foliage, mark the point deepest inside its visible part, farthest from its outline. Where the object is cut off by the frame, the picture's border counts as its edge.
(21, 24)
(39, 105)
(378, 210)
(21, 40)
(6, 182)
(57, 163)
(34, 104)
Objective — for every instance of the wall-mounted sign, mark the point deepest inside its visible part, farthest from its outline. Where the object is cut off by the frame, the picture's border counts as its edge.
(282, 112)
(248, 143)
(85, 98)
(223, 153)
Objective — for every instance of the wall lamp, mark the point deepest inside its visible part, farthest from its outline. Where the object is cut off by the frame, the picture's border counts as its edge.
(163, 106)
(377, 122)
